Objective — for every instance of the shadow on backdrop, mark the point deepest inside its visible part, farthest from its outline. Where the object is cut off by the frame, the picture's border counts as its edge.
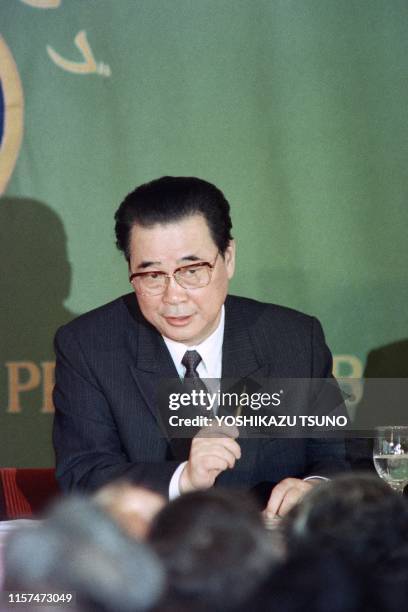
(35, 282)
(389, 361)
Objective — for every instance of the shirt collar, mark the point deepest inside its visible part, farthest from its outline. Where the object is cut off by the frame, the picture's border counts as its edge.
(209, 349)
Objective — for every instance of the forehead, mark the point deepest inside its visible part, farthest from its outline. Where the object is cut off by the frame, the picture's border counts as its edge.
(171, 241)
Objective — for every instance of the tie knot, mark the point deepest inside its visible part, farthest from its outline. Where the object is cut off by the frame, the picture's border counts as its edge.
(190, 361)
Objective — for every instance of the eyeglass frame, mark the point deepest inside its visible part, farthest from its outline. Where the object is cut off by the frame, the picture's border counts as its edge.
(211, 267)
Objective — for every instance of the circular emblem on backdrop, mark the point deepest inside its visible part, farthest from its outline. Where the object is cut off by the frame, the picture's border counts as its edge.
(11, 114)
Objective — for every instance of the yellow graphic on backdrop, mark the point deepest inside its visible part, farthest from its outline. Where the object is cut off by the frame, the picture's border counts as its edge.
(26, 376)
(88, 66)
(13, 114)
(43, 4)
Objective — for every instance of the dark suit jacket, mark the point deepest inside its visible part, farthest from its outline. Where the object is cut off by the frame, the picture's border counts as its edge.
(109, 363)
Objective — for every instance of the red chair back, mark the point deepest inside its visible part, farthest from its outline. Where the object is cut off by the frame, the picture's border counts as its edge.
(24, 492)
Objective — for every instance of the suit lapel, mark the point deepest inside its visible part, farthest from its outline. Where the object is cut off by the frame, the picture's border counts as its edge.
(239, 362)
(150, 363)
(149, 358)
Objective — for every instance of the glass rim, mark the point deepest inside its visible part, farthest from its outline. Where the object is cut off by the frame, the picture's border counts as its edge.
(162, 289)
(203, 265)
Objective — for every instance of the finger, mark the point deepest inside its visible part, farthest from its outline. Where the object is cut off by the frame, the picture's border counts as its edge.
(203, 473)
(277, 495)
(278, 504)
(217, 450)
(206, 443)
(290, 499)
(213, 462)
(232, 446)
(274, 502)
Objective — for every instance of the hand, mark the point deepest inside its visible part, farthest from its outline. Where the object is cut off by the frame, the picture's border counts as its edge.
(286, 494)
(213, 450)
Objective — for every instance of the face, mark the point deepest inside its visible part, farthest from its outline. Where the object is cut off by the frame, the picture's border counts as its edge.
(184, 315)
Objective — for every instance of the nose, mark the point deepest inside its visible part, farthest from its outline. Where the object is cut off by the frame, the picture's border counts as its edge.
(174, 293)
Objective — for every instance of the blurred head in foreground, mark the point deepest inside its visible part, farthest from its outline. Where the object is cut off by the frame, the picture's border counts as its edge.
(79, 549)
(316, 580)
(360, 518)
(132, 507)
(215, 549)
(334, 510)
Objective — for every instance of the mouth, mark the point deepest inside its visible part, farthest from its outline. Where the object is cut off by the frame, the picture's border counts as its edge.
(178, 321)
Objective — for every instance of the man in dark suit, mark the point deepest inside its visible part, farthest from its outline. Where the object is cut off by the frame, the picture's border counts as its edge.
(175, 233)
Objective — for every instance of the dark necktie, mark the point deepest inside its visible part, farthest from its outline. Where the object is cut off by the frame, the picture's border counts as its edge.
(190, 361)
(192, 380)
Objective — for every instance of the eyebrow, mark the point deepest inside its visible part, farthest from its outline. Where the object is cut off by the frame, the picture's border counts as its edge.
(148, 264)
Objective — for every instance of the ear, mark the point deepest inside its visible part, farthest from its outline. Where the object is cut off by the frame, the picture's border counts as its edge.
(229, 259)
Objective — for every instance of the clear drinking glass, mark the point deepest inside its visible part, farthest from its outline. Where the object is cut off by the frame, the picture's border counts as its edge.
(391, 456)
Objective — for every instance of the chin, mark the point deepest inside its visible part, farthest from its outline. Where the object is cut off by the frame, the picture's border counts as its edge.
(184, 338)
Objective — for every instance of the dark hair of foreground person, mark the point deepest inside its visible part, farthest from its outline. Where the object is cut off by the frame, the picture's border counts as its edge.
(215, 550)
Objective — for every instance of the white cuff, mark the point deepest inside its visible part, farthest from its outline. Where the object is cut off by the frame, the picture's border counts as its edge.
(174, 488)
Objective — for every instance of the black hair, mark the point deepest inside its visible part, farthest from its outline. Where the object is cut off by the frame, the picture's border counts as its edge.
(169, 199)
(358, 517)
(214, 547)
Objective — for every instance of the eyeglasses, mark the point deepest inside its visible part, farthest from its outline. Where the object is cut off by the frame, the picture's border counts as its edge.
(155, 282)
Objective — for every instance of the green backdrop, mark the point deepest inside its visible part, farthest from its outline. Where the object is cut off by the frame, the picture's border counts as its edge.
(296, 109)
